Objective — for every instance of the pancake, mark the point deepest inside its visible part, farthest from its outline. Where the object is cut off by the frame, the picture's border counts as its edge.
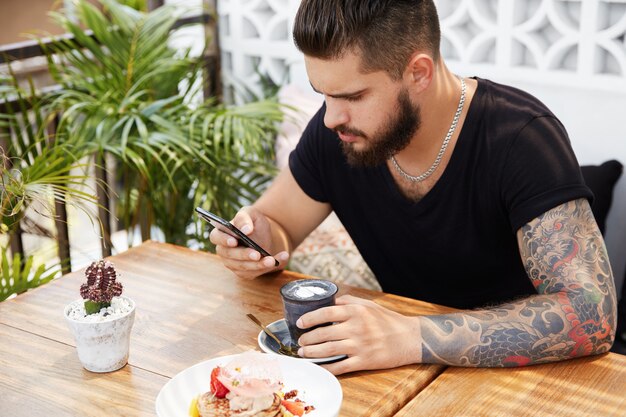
(210, 406)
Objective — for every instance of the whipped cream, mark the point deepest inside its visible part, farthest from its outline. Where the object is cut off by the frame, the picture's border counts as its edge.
(309, 291)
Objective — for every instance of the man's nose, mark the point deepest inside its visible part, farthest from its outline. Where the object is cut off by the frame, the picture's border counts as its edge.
(336, 114)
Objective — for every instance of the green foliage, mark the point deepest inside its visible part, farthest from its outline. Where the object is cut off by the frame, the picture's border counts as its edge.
(19, 275)
(35, 167)
(135, 4)
(126, 92)
(123, 96)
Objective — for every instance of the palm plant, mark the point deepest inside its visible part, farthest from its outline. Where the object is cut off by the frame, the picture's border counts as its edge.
(36, 168)
(121, 95)
(19, 274)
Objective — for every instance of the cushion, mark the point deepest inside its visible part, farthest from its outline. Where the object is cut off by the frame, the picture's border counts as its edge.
(328, 252)
(302, 107)
(601, 180)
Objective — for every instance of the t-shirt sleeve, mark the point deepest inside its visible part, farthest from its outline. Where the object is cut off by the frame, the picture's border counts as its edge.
(307, 160)
(540, 171)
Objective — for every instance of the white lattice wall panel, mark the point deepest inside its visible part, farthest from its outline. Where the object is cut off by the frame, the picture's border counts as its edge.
(556, 41)
(563, 42)
(255, 38)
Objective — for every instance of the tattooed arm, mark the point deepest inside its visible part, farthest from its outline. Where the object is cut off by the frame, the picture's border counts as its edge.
(573, 315)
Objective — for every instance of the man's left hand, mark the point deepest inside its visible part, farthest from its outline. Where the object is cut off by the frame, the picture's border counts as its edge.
(372, 336)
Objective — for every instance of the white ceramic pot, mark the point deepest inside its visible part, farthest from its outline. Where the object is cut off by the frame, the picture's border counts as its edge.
(103, 346)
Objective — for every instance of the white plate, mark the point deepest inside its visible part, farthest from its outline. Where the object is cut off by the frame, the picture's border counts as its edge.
(280, 330)
(316, 386)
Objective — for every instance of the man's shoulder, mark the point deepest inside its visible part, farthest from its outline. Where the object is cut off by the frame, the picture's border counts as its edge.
(511, 101)
(504, 112)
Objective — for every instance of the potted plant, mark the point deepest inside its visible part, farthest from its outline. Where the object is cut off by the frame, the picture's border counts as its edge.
(133, 101)
(101, 320)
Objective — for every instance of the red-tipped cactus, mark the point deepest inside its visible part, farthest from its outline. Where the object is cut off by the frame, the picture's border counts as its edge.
(101, 286)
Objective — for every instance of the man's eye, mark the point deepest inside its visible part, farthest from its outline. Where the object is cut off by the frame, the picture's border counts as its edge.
(353, 98)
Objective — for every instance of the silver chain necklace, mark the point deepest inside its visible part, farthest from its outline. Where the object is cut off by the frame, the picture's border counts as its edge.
(444, 145)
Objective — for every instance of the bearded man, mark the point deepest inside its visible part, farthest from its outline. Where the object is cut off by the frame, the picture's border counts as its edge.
(457, 191)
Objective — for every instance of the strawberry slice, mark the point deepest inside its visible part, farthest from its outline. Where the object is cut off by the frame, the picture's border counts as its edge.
(217, 388)
(294, 407)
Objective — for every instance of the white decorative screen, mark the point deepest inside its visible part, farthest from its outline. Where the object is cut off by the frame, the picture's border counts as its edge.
(562, 42)
(555, 41)
(255, 38)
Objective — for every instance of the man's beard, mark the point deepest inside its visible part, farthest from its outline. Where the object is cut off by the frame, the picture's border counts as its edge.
(390, 139)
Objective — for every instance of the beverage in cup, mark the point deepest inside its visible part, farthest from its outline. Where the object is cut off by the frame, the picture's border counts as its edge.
(300, 297)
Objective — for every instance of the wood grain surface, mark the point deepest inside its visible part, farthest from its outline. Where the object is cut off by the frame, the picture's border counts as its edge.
(189, 309)
(592, 386)
(42, 377)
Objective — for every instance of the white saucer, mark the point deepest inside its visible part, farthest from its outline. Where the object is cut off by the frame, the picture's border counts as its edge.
(279, 328)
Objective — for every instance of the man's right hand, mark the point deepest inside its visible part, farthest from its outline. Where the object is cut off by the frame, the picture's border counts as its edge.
(243, 261)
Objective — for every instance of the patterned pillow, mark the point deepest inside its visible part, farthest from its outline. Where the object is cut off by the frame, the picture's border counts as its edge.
(330, 253)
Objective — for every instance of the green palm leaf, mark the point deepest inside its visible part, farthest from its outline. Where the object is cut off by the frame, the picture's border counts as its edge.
(121, 96)
(36, 168)
(19, 275)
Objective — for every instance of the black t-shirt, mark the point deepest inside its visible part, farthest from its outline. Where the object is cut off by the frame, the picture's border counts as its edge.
(457, 246)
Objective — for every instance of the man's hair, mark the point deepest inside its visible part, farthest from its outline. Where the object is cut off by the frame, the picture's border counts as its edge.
(385, 32)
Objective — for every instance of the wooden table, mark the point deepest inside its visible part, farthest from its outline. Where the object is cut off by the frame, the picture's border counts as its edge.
(591, 386)
(189, 309)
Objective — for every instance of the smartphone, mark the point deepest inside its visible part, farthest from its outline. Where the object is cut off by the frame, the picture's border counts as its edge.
(230, 229)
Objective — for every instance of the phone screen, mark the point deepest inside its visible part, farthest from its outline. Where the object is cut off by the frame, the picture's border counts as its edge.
(230, 229)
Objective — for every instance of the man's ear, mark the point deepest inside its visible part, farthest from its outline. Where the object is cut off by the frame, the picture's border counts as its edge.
(419, 71)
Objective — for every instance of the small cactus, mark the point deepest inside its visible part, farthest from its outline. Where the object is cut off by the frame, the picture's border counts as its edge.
(101, 286)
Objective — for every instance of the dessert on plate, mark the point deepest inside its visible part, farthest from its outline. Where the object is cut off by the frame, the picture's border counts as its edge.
(248, 386)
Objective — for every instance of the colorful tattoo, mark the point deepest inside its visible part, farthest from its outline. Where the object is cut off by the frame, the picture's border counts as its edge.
(573, 315)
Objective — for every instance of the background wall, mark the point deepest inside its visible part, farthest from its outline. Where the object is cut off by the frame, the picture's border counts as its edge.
(571, 54)
(21, 18)
(18, 17)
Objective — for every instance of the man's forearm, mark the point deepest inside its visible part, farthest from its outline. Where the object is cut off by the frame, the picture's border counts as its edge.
(574, 315)
(542, 328)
